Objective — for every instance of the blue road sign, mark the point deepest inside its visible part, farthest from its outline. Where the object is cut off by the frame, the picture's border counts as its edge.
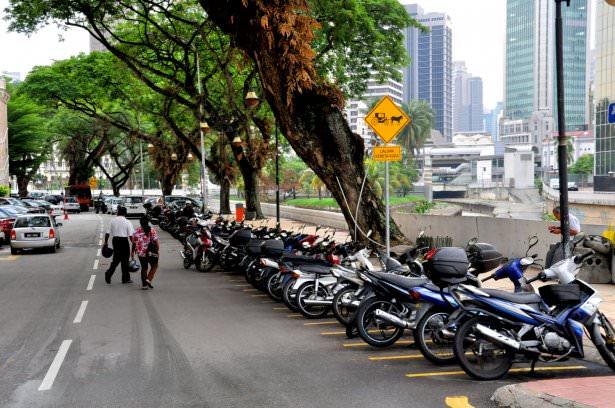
(612, 113)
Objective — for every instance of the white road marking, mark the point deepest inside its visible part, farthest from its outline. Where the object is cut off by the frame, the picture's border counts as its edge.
(55, 366)
(81, 312)
(91, 282)
(98, 252)
(95, 264)
(100, 242)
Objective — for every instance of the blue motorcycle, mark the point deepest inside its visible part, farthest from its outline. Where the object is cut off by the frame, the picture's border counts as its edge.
(497, 326)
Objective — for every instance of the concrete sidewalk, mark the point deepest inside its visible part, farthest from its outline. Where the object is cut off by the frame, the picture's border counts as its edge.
(569, 392)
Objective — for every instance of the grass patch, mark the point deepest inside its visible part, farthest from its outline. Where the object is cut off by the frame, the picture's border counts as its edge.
(329, 202)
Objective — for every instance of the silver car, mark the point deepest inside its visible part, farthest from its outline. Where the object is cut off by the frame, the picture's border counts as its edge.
(35, 231)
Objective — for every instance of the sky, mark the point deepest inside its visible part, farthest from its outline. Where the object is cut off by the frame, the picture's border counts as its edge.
(479, 29)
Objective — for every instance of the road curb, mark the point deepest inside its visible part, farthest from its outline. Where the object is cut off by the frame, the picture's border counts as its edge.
(518, 396)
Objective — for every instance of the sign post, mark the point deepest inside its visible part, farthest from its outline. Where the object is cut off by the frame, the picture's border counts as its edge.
(387, 120)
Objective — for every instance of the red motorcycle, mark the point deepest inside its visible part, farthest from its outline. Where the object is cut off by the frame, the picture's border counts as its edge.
(198, 250)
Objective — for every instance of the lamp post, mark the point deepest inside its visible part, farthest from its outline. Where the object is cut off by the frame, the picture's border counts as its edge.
(277, 177)
(203, 127)
(251, 102)
(562, 145)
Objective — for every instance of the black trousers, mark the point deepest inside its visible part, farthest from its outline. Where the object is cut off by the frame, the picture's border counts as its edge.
(121, 255)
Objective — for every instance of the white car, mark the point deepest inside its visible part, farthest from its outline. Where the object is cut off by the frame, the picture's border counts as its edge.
(72, 205)
(112, 204)
(35, 231)
(134, 206)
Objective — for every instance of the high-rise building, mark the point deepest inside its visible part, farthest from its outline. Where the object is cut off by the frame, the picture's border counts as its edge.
(467, 100)
(4, 135)
(491, 120)
(604, 167)
(429, 74)
(96, 45)
(530, 91)
(15, 77)
(356, 109)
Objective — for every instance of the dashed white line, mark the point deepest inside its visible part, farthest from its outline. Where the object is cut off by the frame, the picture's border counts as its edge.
(54, 368)
(91, 282)
(98, 252)
(100, 242)
(95, 264)
(81, 312)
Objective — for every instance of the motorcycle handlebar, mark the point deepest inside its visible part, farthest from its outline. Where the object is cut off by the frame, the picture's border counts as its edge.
(580, 258)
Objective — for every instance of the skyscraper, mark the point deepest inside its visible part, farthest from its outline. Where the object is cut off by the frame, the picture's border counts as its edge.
(530, 92)
(429, 75)
(604, 96)
(491, 119)
(467, 100)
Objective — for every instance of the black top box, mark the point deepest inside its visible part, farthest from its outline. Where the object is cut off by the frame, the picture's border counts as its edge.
(272, 247)
(241, 237)
(484, 257)
(448, 266)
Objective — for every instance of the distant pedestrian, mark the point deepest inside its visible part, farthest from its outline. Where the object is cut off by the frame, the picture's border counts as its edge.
(147, 247)
(121, 230)
(573, 222)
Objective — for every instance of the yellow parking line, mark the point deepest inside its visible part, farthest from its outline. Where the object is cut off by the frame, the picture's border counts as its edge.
(260, 295)
(250, 290)
(294, 315)
(280, 308)
(362, 344)
(322, 323)
(512, 370)
(236, 280)
(458, 402)
(243, 285)
(402, 357)
(269, 301)
(10, 258)
(339, 333)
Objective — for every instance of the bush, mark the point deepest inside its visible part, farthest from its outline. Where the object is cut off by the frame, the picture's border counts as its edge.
(5, 191)
(423, 207)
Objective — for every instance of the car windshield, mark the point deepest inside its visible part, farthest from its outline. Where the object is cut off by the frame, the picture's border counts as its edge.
(24, 222)
(133, 200)
(71, 200)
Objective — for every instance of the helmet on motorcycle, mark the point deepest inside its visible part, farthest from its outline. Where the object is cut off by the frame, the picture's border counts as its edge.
(133, 266)
(107, 252)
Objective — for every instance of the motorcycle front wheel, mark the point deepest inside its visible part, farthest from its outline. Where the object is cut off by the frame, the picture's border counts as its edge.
(603, 337)
(205, 263)
(479, 357)
(344, 313)
(187, 260)
(273, 287)
(286, 296)
(308, 291)
(373, 331)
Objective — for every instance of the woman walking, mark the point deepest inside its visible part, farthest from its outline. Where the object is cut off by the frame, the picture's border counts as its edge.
(147, 246)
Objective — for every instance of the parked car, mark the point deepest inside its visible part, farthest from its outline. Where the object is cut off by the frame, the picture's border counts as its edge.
(112, 204)
(18, 210)
(35, 231)
(33, 207)
(54, 198)
(72, 205)
(11, 201)
(53, 209)
(171, 199)
(134, 206)
(572, 186)
(7, 219)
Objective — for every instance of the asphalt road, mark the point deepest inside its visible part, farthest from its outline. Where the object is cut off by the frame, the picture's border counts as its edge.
(196, 340)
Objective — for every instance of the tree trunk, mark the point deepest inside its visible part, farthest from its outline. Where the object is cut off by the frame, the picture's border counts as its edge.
(167, 182)
(308, 110)
(22, 186)
(250, 188)
(116, 189)
(225, 196)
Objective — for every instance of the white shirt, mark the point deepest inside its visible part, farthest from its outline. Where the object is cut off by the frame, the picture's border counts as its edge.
(120, 227)
(574, 222)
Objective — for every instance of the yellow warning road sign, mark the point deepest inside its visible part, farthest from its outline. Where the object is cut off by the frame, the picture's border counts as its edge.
(93, 182)
(387, 153)
(387, 119)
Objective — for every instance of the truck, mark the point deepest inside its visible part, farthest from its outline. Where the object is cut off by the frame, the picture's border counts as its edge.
(82, 193)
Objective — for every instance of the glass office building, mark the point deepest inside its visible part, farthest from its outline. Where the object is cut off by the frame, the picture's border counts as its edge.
(429, 75)
(604, 174)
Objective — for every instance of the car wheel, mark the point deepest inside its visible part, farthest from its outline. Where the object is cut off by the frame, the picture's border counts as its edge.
(52, 250)
(58, 245)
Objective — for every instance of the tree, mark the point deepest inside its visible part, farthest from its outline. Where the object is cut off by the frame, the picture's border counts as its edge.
(311, 181)
(283, 43)
(30, 137)
(584, 165)
(569, 148)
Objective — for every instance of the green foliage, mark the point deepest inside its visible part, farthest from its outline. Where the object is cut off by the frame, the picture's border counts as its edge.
(401, 176)
(423, 207)
(539, 185)
(328, 202)
(583, 165)
(5, 191)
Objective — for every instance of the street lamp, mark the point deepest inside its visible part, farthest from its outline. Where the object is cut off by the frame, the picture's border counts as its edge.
(203, 128)
(277, 177)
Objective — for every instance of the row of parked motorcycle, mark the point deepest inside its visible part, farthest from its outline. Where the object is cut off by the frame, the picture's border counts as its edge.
(436, 294)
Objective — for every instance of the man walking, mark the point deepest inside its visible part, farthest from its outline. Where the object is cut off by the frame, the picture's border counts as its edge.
(121, 230)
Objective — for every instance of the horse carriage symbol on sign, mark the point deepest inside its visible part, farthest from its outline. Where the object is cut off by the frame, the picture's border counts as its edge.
(387, 119)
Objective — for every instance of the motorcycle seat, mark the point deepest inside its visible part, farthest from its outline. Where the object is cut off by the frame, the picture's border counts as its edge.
(303, 260)
(433, 287)
(405, 282)
(521, 298)
(316, 269)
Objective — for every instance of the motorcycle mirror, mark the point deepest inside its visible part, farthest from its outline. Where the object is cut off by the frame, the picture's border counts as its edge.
(421, 234)
(534, 256)
(369, 234)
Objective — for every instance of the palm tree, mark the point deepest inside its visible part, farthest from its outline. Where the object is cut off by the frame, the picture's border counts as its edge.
(569, 149)
(309, 178)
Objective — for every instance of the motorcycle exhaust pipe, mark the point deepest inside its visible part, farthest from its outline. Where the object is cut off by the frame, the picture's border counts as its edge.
(182, 254)
(394, 320)
(351, 302)
(498, 337)
(316, 302)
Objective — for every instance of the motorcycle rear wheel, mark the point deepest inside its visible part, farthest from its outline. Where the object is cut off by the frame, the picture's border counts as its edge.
(273, 287)
(373, 332)
(286, 291)
(433, 347)
(187, 261)
(344, 313)
(603, 337)
(468, 344)
(306, 291)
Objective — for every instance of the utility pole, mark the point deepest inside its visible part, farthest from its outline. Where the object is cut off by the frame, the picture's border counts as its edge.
(277, 177)
(562, 145)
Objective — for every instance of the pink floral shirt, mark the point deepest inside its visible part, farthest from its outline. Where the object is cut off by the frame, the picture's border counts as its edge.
(142, 240)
